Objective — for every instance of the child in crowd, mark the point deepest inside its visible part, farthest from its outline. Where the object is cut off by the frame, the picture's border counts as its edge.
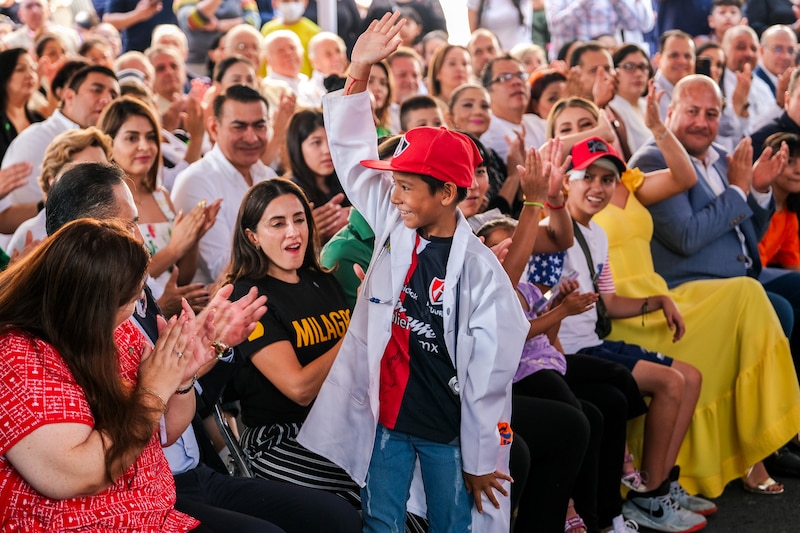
(780, 246)
(420, 110)
(674, 386)
(724, 14)
(602, 390)
(423, 373)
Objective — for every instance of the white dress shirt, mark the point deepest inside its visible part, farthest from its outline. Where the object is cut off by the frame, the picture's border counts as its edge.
(763, 104)
(35, 225)
(210, 178)
(499, 129)
(30, 146)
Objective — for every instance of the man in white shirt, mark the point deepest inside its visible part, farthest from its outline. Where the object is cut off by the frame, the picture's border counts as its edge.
(482, 46)
(35, 18)
(740, 45)
(88, 93)
(407, 67)
(327, 53)
(240, 128)
(284, 53)
(170, 76)
(507, 82)
(771, 76)
(586, 19)
(675, 60)
(245, 40)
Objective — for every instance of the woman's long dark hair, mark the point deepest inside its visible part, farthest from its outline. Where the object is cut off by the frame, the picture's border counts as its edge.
(68, 293)
(249, 261)
(8, 62)
(304, 123)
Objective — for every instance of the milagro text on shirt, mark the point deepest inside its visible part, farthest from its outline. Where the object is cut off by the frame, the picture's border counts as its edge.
(310, 332)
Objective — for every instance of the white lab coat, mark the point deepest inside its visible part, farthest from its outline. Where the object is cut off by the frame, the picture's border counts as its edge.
(484, 325)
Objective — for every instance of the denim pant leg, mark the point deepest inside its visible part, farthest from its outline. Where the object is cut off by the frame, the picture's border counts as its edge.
(391, 468)
(449, 504)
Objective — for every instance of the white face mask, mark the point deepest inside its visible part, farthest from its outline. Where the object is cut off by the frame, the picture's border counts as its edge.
(291, 12)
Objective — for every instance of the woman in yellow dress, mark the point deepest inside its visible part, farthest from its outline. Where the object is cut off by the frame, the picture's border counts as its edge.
(749, 403)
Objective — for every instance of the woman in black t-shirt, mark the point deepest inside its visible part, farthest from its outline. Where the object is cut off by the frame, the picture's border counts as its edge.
(289, 354)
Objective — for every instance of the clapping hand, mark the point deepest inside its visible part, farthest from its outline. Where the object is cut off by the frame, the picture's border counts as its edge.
(769, 166)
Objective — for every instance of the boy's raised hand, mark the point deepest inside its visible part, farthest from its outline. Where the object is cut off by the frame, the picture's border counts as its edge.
(377, 42)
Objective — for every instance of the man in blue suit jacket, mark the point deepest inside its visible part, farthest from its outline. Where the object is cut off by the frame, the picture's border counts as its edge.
(713, 229)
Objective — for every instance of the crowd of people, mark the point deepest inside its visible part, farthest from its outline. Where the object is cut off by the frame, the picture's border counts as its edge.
(545, 281)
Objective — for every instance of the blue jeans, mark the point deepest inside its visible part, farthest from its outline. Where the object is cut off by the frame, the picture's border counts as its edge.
(383, 499)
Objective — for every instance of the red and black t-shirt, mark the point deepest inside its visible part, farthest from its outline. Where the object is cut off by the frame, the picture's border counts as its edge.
(416, 395)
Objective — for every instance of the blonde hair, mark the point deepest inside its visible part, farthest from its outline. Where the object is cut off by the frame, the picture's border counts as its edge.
(63, 148)
(567, 103)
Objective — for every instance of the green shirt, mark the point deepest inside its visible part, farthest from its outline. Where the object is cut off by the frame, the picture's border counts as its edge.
(352, 244)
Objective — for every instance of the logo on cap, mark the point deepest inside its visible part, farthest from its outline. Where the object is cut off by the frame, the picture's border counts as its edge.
(402, 146)
(596, 145)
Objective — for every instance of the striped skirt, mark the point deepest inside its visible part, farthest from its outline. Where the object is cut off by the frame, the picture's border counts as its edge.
(274, 453)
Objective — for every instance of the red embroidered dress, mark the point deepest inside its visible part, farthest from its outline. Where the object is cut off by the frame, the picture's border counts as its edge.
(37, 388)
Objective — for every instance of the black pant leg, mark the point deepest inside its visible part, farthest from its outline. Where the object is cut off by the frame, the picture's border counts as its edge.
(557, 435)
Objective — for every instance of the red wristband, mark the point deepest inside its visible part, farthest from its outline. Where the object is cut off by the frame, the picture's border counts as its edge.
(550, 206)
(349, 88)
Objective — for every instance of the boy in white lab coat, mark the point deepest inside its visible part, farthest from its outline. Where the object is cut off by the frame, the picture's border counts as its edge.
(425, 370)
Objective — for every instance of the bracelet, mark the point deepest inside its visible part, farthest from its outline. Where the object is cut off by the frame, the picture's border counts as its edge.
(645, 308)
(156, 395)
(552, 207)
(349, 88)
(189, 388)
(534, 204)
(220, 348)
(661, 137)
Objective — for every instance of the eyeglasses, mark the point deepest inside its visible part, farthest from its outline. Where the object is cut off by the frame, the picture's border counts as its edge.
(778, 49)
(508, 76)
(628, 67)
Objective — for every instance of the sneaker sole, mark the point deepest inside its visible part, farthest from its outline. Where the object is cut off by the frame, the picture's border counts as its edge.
(704, 512)
(644, 522)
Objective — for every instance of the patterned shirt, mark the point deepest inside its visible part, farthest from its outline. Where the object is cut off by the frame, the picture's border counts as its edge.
(586, 19)
(36, 389)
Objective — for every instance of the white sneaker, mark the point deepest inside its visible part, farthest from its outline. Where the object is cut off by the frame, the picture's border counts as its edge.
(624, 526)
(691, 503)
(661, 513)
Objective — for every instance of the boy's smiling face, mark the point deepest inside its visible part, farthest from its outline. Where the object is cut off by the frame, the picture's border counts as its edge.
(429, 212)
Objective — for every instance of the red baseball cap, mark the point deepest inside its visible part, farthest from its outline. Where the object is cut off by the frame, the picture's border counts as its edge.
(587, 152)
(444, 154)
